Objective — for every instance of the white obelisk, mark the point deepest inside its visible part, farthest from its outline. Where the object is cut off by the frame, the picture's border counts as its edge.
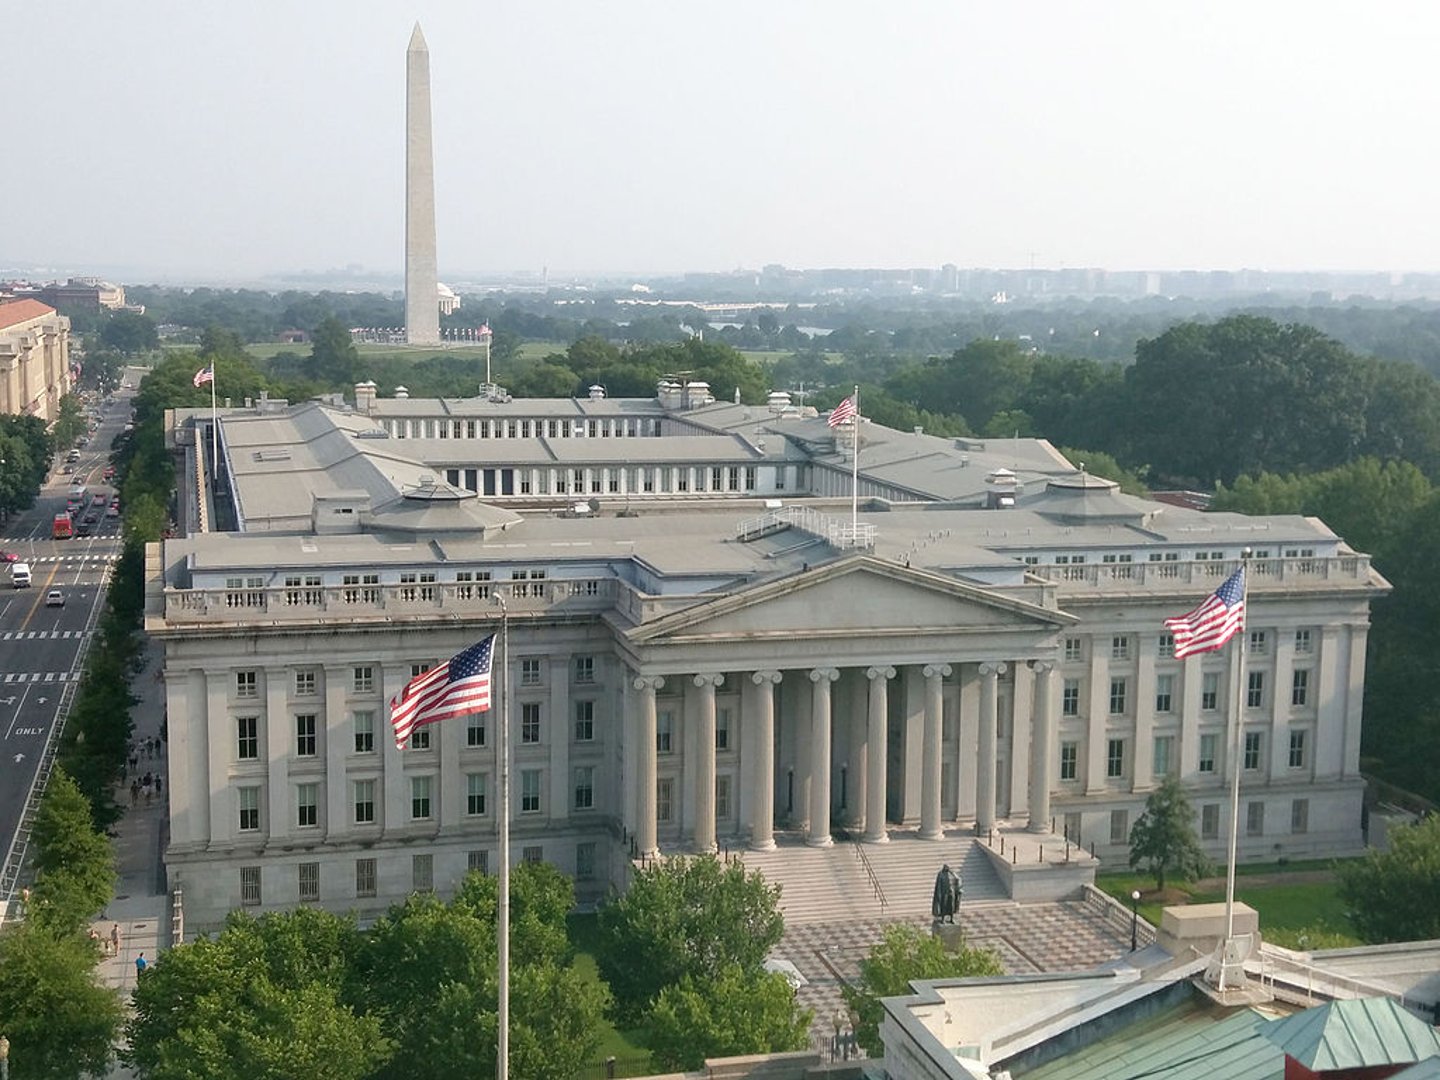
(422, 276)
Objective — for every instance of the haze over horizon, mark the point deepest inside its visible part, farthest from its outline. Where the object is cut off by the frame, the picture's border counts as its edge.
(248, 140)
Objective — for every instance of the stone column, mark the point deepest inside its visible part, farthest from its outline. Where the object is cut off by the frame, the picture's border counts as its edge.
(931, 765)
(820, 757)
(339, 742)
(705, 762)
(278, 820)
(646, 829)
(990, 673)
(875, 763)
(762, 799)
(1042, 745)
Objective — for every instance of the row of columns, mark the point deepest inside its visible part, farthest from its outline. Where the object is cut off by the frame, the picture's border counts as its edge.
(762, 836)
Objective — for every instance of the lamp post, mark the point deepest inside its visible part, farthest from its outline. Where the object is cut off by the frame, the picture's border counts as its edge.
(4, 1058)
(1134, 918)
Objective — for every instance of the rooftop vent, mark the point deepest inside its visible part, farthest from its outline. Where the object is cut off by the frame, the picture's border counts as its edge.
(597, 392)
(401, 392)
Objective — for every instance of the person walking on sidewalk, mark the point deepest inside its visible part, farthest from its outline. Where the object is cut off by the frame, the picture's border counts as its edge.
(115, 939)
(140, 964)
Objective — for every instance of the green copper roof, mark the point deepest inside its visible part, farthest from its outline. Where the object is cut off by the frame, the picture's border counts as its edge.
(1353, 1035)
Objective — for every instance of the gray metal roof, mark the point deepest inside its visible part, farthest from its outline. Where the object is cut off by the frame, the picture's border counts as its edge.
(1354, 1034)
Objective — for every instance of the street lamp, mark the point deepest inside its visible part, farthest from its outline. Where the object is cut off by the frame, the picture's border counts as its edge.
(1134, 918)
(4, 1058)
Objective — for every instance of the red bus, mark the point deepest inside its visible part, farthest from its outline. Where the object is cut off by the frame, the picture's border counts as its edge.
(60, 528)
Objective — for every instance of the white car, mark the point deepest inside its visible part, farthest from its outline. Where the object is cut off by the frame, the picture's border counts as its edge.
(54, 598)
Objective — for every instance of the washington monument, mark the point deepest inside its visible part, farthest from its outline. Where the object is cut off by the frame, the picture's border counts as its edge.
(422, 304)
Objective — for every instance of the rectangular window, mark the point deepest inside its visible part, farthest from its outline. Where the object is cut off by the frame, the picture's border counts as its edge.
(585, 860)
(247, 747)
(584, 669)
(363, 679)
(309, 875)
(1164, 693)
(533, 855)
(477, 862)
(475, 794)
(1255, 689)
(1070, 698)
(529, 791)
(1167, 646)
(305, 683)
(664, 799)
(1119, 826)
(1299, 815)
(1117, 696)
(1164, 759)
(364, 721)
(1259, 643)
(529, 672)
(1252, 751)
(250, 886)
(249, 809)
(422, 872)
(1210, 691)
(1210, 821)
(1297, 749)
(1303, 643)
(1074, 649)
(420, 798)
(722, 798)
(722, 729)
(1209, 745)
(1115, 758)
(364, 802)
(305, 735)
(530, 722)
(475, 729)
(307, 812)
(1069, 760)
(364, 878)
(664, 731)
(584, 721)
(1255, 819)
(1120, 647)
(1300, 687)
(420, 738)
(245, 686)
(584, 787)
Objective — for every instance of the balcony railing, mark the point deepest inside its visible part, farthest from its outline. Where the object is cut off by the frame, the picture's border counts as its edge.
(1207, 575)
(838, 533)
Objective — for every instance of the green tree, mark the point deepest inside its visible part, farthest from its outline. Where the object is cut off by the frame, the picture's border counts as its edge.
(684, 917)
(74, 863)
(18, 487)
(130, 333)
(736, 1012)
(1164, 837)
(905, 953)
(1098, 463)
(1394, 895)
(333, 359)
(70, 421)
(60, 1022)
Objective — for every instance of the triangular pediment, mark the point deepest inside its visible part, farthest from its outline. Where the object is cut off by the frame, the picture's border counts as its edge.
(861, 595)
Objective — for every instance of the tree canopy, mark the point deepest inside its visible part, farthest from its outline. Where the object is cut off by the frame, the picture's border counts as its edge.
(735, 1012)
(1164, 837)
(1394, 895)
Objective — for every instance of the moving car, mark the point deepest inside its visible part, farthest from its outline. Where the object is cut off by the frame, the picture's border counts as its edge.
(9, 556)
(20, 575)
(55, 598)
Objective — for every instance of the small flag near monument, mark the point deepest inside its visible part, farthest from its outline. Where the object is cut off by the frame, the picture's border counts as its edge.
(846, 410)
(458, 687)
(1214, 622)
(204, 375)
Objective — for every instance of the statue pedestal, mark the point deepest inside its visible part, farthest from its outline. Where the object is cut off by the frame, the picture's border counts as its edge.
(949, 934)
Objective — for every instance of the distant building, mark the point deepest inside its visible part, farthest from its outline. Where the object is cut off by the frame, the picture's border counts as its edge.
(83, 294)
(34, 359)
(449, 302)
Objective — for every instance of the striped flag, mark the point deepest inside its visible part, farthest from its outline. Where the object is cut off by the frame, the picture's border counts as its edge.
(204, 375)
(1214, 622)
(846, 410)
(458, 687)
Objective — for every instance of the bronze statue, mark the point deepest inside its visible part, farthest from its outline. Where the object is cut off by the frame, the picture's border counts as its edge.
(946, 900)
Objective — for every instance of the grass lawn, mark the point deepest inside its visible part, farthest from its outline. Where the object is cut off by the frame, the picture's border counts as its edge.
(622, 1045)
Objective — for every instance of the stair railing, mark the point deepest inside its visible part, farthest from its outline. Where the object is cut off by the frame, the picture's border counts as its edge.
(870, 875)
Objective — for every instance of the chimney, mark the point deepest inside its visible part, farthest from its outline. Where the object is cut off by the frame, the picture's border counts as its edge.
(364, 397)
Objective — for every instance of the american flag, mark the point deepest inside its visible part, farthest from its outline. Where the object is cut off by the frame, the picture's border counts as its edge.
(457, 687)
(1214, 622)
(204, 375)
(846, 410)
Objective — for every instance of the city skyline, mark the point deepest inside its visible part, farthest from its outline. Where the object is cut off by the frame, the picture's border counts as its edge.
(179, 142)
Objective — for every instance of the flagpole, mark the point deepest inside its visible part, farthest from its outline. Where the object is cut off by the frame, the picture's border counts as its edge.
(855, 470)
(214, 433)
(1237, 712)
(502, 814)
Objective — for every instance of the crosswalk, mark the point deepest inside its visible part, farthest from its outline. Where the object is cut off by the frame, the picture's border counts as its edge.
(44, 635)
(40, 677)
(97, 556)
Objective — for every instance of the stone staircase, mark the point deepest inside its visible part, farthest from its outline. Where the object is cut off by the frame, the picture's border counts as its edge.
(820, 885)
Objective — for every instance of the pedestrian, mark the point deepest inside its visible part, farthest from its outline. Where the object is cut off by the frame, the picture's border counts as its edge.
(134, 761)
(134, 792)
(140, 964)
(157, 783)
(94, 936)
(115, 939)
(147, 780)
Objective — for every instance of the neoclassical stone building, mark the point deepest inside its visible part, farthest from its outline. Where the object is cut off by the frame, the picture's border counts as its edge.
(705, 650)
(34, 359)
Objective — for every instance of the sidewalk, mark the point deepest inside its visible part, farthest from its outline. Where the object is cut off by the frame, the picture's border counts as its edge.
(141, 907)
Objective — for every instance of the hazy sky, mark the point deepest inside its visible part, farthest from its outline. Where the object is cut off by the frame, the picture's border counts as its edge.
(223, 140)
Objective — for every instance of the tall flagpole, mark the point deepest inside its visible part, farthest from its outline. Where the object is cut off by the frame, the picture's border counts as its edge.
(855, 470)
(1237, 750)
(502, 814)
(214, 433)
